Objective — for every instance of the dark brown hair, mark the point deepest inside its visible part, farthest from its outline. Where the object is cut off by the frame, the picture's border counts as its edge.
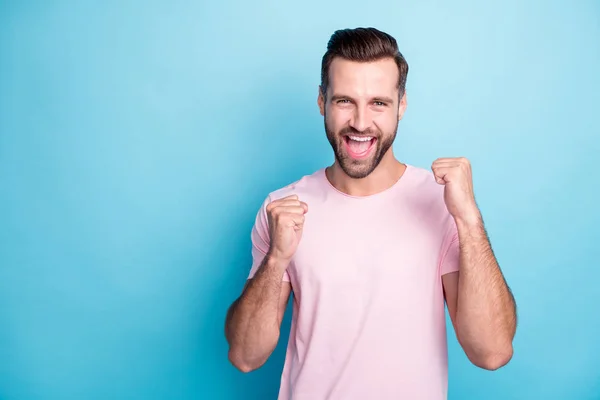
(363, 45)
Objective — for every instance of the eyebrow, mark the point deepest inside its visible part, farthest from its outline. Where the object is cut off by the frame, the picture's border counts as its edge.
(337, 97)
(382, 99)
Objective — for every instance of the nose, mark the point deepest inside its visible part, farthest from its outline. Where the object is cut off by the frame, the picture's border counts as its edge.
(361, 119)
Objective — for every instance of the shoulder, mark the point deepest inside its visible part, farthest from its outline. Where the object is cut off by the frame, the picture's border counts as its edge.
(306, 186)
(425, 192)
(427, 196)
(424, 181)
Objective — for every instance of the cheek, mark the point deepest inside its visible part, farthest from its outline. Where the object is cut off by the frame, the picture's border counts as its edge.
(336, 120)
(386, 122)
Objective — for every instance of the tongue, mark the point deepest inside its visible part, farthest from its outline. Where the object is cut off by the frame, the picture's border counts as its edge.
(358, 147)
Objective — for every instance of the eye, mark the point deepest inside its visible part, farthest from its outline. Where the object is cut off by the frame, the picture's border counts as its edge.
(343, 101)
(379, 103)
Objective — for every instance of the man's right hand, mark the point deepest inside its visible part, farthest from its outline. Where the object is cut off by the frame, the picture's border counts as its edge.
(286, 220)
(254, 320)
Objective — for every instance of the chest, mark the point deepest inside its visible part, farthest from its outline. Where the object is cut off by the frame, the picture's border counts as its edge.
(344, 249)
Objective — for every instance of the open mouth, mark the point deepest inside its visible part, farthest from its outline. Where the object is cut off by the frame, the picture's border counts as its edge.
(359, 146)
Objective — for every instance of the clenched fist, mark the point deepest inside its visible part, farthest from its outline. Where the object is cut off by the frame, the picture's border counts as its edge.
(455, 175)
(286, 219)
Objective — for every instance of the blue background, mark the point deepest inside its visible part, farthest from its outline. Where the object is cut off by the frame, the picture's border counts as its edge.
(137, 141)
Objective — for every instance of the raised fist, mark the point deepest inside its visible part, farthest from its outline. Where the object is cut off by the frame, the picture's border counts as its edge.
(286, 219)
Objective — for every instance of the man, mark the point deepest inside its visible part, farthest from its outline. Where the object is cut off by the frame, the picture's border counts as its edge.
(371, 248)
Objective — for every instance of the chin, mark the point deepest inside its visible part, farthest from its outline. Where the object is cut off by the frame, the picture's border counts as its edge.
(357, 169)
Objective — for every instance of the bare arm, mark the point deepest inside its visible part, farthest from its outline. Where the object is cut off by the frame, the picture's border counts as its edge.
(253, 321)
(480, 303)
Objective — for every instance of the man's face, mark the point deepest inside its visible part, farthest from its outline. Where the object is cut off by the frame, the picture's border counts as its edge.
(361, 111)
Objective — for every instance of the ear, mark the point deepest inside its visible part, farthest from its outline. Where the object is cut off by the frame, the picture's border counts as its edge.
(321, 101)
(402, 106)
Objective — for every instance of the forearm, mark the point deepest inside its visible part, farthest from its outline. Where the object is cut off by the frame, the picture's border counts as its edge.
(485, 316)
(253, 323)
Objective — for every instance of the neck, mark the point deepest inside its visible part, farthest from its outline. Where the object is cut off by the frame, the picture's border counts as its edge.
(387, 173)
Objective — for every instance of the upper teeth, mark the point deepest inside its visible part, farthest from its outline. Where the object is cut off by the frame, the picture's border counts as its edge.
(361, 138)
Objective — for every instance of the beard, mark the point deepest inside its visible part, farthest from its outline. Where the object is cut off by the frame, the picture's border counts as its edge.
(358, 169)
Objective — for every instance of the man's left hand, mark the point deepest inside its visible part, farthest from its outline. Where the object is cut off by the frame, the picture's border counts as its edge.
(455, 175)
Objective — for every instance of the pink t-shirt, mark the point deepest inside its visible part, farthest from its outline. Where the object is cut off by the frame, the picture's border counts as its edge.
(368, 313)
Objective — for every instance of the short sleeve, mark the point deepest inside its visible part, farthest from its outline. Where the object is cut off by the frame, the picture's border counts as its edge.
(450, 257)
(260, 240)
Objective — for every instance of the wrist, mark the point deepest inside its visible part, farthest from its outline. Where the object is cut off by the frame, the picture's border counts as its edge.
(274, 262)
(469, 218)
